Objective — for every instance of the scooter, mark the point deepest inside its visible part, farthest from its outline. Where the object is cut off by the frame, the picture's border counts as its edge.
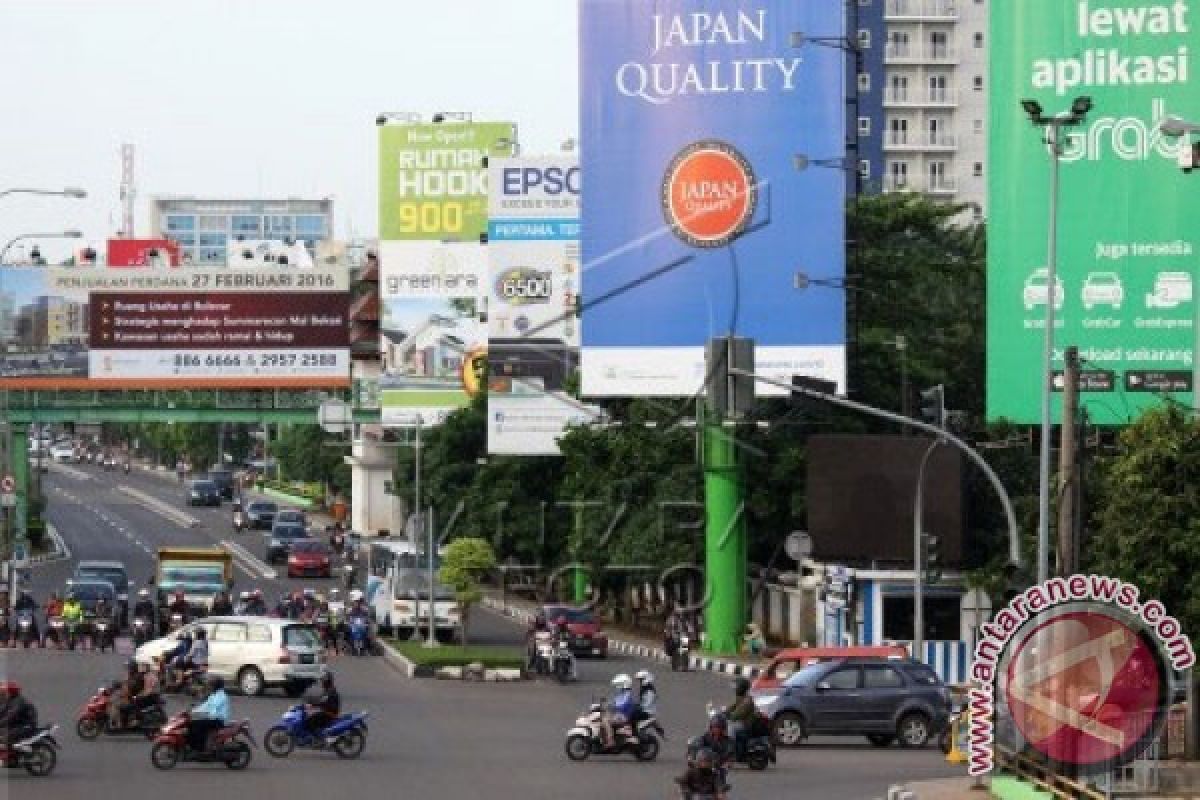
(239, 520)
(543, 660)
(358, 635)
(93, 718)
(640, 739)
(6, 633)
(26, 631)
(56, 629)
(105, 637)
(140, 631)
(680, 661)
(347, 736)
(231, 745)
(348, 575)
(758, 750)
(37, 754)
(564, 662)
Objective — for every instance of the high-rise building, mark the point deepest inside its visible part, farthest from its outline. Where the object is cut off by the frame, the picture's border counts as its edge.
(204, 226)
(8, 318)
(922, 103)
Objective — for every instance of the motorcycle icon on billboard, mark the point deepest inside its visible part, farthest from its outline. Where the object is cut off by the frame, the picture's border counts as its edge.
(1171, 289)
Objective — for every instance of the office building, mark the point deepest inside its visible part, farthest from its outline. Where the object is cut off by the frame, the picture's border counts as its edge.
(204, 226)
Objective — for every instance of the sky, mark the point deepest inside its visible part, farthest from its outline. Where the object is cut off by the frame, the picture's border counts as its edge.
(263, 98)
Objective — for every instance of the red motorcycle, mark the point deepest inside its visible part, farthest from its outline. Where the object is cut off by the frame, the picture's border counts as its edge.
(93, 718)
(37, 754)
(229, 746)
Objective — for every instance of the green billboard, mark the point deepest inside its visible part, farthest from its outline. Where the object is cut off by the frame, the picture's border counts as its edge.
(1128, 216)
(433, 178)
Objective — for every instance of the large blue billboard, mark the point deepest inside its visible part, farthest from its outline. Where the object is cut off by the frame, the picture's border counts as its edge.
(696, 220)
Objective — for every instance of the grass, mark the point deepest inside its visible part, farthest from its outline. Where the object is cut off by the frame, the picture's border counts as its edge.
(456, 655)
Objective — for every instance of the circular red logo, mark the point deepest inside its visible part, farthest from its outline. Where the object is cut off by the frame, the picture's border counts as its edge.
(709, 194)
(1086, 689)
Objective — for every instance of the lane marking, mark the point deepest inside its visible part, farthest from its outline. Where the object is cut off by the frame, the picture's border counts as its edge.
(161, 508)
(78, 475)
(248, 561)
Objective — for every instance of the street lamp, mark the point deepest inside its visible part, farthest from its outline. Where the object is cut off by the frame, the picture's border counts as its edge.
(1053, 126)
(73, 192)
(24, 236)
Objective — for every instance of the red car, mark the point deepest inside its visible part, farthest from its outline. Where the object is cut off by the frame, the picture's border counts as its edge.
(587, 637)
(310, 559)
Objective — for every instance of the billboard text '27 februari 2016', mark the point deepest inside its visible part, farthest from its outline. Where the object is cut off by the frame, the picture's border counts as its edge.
(695, 220)
(1126, 263)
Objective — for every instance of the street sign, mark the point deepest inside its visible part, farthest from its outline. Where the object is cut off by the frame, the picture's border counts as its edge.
(798, 546)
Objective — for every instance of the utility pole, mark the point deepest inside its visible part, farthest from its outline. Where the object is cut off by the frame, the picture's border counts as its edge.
(1068, 468)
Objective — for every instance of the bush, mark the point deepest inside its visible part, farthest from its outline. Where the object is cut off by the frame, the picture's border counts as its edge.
(453, 656)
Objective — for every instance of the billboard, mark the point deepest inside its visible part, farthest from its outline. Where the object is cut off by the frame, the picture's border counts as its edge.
(97, 328)
(533, 288)
(695, 219)
(430, 293)
(433, 179)
(267, 252)
(143, 253)
(1126, 230)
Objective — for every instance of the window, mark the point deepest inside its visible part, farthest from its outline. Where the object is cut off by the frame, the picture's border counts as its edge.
(278, 225)
(978, 83)
(899, 131)
(880, 677)
(210, 255)
(230, 632)
(211, 240)
(899, 174)
(864, 126)
(864, 39)
(213, 223)
(300, 636)
(864, 169)
(258, 633)
(937, 174)
(784, 670)
(979, 126)
(937, 88)
(178, 222)
(846, 678)
(247, 224)
(307, 223)
(899, 88)
(864, 81)
(977, 171)
(938, 47)
(979, 40)
(922, 675)
(184, 239)
(864, 2)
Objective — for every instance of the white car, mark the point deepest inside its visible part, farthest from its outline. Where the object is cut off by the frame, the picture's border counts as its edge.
(1036, 292)
(1170, 290)
(63, 453)
(253, 653)
(1103, 289)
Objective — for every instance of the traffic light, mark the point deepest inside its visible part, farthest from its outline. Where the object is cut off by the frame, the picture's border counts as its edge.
(931, 557)
(933, 405)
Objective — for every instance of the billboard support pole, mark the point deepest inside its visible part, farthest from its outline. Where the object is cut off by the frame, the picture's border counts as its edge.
(1014, 533)
(579, 575)
(725, 539)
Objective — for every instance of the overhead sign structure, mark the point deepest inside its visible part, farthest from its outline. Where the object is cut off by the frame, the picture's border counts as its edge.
(695, 219)
(1127, 241)
(533, 292)
(98, 328)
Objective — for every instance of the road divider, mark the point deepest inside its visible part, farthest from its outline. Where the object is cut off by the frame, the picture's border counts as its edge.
(248, 561)
(161, 508)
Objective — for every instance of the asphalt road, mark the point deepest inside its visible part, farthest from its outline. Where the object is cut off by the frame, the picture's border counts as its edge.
(439, 739)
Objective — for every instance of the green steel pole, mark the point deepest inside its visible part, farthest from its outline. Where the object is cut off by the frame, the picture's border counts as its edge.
(725, 541)
(579, 583)
(18, 459)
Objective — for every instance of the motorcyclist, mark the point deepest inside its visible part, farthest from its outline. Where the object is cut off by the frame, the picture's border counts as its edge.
(197, 657)
(672, 630)
(701, 779)
(562, 633)
(103, 610)
(179, 605)
(741, 713)
(121, 703)
(176, 657)
(149, 695)
(324, 710)
(72, 613)
(538, 626)
(221, 607)
(258, 606)
(144, 607)
(18, 717)
(242, 608)
(621, 710)
(717, 740)
(358, 612)
(26, 603)
(647, 694)
(337, 616)
(208, 717)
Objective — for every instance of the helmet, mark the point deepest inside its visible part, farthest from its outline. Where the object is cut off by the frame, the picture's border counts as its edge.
(704, 758)
(645, 677)
(185, 637)
(143, 592)
(333, 594)
(356, 595)
(201, 633)
(741, 686)
(622, 682)
(719, 722)
(244, 596)
(179, 594)
(215, 683)
(10, 688)
(310, 593)
(258, 594)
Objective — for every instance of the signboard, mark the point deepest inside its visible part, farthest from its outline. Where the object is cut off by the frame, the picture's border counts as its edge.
(267, 252)
(429, 295)
(1127, 241)
(143, 253)
(96, 328)
(533, 290)
(433, 179)
(696, 219)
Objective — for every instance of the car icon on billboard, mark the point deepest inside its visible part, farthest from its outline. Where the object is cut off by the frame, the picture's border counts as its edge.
(1102, 289)
(1170, 290)
(1036, 292)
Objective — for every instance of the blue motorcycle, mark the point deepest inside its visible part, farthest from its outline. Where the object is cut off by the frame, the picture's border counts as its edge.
(347, 736)
(358, 636)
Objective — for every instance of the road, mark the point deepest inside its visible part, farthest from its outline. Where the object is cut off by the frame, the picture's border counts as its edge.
(450, 739)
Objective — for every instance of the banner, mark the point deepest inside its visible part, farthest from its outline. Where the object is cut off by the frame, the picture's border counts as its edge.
(143, 253)
(96, 328)
(696, 220)
(533, 325)
(433, 341)
(1126, 227)
(433, 179)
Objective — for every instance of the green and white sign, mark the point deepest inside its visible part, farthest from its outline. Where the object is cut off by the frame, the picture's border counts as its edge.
(433, 179)
(1129, 219)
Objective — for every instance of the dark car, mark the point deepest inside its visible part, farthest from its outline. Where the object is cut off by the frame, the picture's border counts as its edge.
(881, 699)
(112, 572)
(587, 637)
(290, 516)
(260, 515)
(310, 559)
(203, 493)
(224, 480)
(282, 539)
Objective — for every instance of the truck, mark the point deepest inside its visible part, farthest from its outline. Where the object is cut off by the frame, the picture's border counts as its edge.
(201, 572)
(398, 593)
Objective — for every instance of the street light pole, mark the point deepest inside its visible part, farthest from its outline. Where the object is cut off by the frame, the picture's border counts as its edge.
(918, 565)
(24, 236)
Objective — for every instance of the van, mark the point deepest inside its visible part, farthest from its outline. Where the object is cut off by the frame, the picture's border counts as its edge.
(787, 662)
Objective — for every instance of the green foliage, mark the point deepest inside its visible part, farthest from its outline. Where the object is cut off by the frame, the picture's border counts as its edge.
(451, 656)
(465, 564)
(305, 453)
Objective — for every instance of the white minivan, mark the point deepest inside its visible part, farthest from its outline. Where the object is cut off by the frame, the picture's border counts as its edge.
(253, 653)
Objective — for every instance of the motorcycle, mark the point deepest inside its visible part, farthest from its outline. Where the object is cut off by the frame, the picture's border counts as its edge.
(26, 631)
(93, 718)
(564, 662)
(348, 575)
(190, 682)
(680, 662)
(104, 637)
(239, 519)
(640, 739)
(231, 745)
(140, 631)
(37, 753)
(176, 623)
(758, 750)
(358, 636)
(56, 629)
(346, 736)
(6, 633)
(126, 467)
(543, 659)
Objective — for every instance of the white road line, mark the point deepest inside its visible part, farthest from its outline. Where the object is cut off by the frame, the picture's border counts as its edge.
(71, 471)
(248, 562)
(161, 508)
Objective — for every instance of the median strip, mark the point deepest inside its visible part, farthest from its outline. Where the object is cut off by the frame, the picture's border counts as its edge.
(161, 508)
(248, 561)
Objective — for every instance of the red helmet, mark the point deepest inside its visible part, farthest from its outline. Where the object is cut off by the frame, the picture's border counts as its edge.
(10, 688)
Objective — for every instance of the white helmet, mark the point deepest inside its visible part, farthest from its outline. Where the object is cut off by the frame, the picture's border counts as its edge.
(333, 594)
(645, 677)
(356, 595)
(622, 683)
(143, 592)
(244, 596)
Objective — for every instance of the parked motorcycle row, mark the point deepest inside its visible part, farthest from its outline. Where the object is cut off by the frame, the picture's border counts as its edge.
(19, 630)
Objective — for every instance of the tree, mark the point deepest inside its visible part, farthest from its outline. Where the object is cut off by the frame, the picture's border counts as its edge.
(1147, 531)
(464, 566)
